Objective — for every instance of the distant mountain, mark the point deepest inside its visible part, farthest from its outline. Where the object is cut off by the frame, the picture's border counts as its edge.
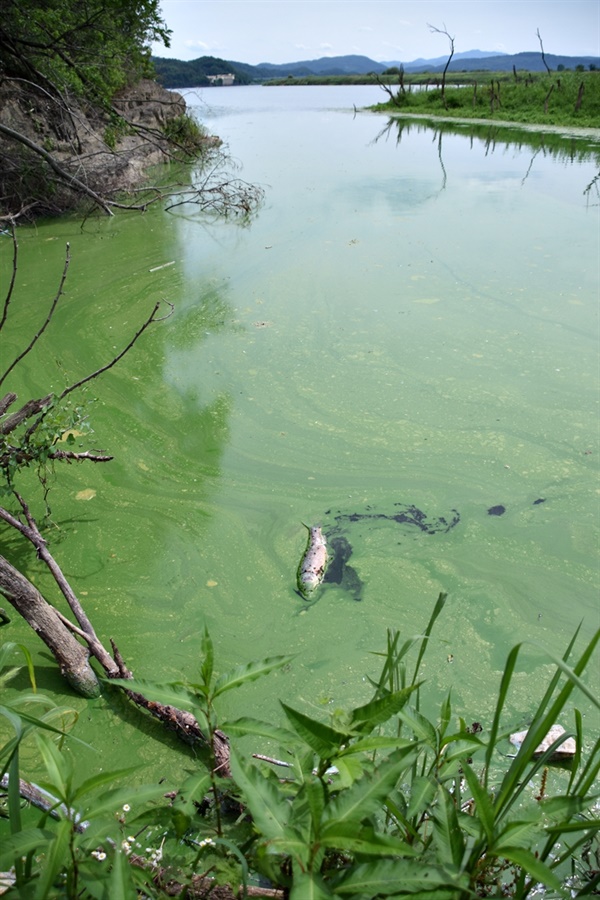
(326, 65)
(529, 61)
(173, 73)
(441, 60)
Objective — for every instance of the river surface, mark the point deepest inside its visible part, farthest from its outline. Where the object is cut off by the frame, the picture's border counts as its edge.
(402, 347)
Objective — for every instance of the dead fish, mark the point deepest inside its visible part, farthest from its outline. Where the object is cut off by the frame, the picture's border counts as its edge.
(311, 570)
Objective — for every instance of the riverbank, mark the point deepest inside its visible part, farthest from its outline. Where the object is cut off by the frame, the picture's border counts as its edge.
(50, 149)
(585, 133)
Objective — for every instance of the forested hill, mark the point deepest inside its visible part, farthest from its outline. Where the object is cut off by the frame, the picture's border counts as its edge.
(173, 73)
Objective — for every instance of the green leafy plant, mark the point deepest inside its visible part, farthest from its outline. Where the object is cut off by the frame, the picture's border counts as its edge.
(381, 801)
(77, 844)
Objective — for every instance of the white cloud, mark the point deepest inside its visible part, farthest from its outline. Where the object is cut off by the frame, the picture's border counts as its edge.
(201, 45)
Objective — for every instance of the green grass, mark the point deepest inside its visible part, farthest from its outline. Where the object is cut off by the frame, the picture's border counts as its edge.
(557, 98)
(534, 98)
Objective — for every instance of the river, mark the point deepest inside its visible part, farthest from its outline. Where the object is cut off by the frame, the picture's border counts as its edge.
(402, 346)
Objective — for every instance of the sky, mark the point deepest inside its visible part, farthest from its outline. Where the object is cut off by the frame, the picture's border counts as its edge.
(282, 31)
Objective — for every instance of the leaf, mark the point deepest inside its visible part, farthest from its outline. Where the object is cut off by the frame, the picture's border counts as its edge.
(14, 797)
(374, 742)
(349, 769)
(249, 672)
(6, 651)
(422, 793)
(514, 782)
(364, 841)
(195, 786)
(421, 727)
(484, 810)
(591, 825)
(504, 685)
(439, 605)
(316, 798)
(378, 711)
(21, 843)
(246, 726)
(386, 876)
(121, 882)
(171, 694)
(206, 669)
(533, 866)
(57, 766)
(448, 835)
(323, 739)
(516, 834)
(55, 856)
(573, 676)
(365, 796)
(101, 778)
(309, 886)
(270, 810)
(113, 801)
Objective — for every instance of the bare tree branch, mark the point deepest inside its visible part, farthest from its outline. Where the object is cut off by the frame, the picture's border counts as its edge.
(151, 318)
(542, 49)
(53, 306)
(31, 408)
(13, 276)
(444, 30)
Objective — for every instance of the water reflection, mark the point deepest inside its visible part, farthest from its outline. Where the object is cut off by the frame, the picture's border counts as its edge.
(497, 139)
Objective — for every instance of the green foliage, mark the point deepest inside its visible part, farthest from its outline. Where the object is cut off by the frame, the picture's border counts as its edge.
(380, 802)
(564, 98)
(58, 425)
(177, 73)
(92, 49)
(186, 135)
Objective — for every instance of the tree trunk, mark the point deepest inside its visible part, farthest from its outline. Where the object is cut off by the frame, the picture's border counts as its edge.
(71, 656)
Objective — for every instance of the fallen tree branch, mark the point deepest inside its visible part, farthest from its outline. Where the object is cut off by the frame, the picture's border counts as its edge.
(72, 658)
(53, 305)
(151, 318)
(70, 180)
(58, 633)
(31, 408)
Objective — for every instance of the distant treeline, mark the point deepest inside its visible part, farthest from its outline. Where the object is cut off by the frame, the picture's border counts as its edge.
(174, 73)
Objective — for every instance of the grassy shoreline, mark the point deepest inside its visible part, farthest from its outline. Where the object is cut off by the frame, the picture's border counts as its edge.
(564, 99)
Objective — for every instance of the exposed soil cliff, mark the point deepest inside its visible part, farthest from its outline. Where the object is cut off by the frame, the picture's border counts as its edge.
(68, 143)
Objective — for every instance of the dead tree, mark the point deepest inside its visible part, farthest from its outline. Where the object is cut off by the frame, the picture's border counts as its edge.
(71, 638)
(542, 49)
(444, 30)
(395, 96)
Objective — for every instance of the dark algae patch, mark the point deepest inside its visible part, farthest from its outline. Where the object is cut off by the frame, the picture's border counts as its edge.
(340, 549)
(407, 515)
(338, 570)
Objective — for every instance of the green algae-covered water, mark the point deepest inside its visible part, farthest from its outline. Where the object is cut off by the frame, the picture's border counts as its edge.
(409, 323)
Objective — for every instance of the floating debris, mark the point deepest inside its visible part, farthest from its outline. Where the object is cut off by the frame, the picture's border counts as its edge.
(566, 750)
(311, 570)
(87, 494)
